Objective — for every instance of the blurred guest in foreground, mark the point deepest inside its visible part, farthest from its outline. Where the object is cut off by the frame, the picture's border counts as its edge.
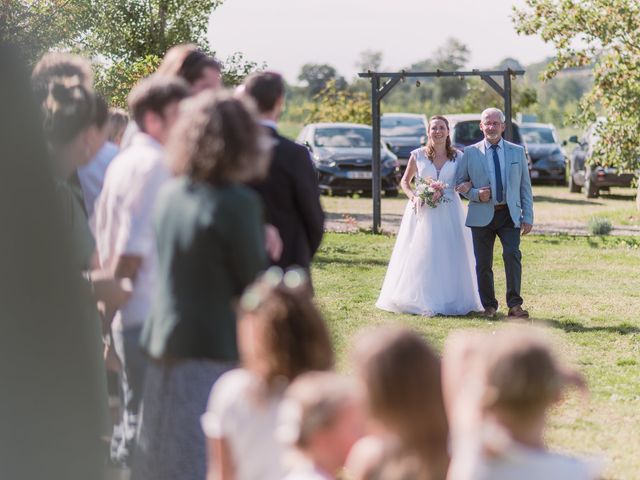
(125, 236)
(401, 376)
(281, 335)
(51, 396)
(499, 388)
(210, 247)
(321, 418)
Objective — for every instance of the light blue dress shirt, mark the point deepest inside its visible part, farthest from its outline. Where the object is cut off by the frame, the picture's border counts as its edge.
(492, 171)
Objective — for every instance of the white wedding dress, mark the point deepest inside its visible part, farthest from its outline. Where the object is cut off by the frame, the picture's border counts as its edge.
(432, 267)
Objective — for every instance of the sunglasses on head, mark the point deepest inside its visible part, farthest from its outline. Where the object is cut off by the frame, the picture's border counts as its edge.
(273, 278)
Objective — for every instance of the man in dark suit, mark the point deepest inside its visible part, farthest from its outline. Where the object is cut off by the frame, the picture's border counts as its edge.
(290, 192)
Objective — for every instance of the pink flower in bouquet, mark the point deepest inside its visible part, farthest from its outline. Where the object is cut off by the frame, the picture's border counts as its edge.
(431, 191)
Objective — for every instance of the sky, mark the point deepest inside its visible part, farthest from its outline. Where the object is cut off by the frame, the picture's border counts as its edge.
(286, 34)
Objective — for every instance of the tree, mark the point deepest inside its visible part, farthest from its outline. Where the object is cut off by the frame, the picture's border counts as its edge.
(128, 30)
(318, 76)
(605, 34)
(333, 104)
(37, 26)
(369, 60)
(453, 55)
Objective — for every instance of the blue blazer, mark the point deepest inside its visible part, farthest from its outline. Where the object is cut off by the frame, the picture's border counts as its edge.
(473, 166)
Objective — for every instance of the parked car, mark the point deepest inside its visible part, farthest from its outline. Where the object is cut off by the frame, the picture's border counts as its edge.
(548, 159)
(342, 153)
(586, 173)
(403, 133)
(465, 130)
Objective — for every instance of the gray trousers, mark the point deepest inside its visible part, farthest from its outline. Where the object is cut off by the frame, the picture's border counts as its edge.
(484, 239)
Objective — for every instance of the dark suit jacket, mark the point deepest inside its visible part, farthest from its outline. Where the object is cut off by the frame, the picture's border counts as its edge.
(292, 202)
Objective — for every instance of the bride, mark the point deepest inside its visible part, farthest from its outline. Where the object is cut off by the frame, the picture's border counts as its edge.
(432, 267)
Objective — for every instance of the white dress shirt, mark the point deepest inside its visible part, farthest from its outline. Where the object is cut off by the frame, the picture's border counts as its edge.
(124, 224)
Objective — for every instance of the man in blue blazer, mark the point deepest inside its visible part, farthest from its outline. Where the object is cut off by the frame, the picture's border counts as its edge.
(493, 174)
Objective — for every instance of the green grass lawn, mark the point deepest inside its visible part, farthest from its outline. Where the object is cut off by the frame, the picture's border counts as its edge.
(585, 290)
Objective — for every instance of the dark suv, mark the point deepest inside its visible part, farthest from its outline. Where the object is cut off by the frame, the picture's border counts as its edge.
(584, 170)
(465, 131)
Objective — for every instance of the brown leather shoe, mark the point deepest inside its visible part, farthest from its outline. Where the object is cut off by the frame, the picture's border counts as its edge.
(518, 312)
(490, 312)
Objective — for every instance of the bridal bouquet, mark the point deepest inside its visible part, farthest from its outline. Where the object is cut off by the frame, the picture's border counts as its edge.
(431, 191)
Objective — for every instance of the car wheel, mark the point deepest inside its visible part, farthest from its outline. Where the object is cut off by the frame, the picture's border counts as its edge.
(590, 190)
(391, 193)
(573, 186)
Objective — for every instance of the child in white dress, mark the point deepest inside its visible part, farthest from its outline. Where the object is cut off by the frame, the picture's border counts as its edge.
(281, 334)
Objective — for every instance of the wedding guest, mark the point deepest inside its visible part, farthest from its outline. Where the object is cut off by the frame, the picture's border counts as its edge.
(401, 376)
(90, 177)
(110, 124)
(68, 111)
(59, 65)
(126, 243)
(50, 365)
(210, 242)
(118, 121)
(281, 335)
(290, 192)
(321, 418)
(201, 71)
(499, 388)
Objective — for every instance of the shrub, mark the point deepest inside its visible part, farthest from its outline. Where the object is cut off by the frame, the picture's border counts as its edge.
(600, 226)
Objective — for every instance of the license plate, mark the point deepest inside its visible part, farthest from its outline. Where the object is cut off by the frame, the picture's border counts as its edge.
(535, 174)
(359, 175)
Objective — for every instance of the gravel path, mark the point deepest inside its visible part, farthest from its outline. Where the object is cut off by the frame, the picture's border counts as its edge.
(391, 222)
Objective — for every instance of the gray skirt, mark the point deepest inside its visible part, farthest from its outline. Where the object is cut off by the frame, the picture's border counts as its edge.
(171, 444)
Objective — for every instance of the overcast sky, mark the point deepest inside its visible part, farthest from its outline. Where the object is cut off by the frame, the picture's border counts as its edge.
(286, 34)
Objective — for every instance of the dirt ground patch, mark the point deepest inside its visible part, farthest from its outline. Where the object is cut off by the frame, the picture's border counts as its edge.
(556, 211)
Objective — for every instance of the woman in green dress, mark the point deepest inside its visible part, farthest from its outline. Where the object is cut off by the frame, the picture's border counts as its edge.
(210, 238)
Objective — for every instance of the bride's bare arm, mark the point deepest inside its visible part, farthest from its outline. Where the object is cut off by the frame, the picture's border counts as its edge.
(409, 173)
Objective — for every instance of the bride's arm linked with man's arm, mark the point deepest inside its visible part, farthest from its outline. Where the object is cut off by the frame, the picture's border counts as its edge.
(463, 182)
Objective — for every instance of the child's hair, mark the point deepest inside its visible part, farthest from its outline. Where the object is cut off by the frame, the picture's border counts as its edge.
(401, 373)
(296, 336)
(523, 376)
(312, 402)
(118, 121)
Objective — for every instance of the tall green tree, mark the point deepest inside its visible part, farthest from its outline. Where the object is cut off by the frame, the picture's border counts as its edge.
(133, 29)
(335, 104)
(36, 26)
(317, 77)
(369, 60)
(605, 34)
(452, 55)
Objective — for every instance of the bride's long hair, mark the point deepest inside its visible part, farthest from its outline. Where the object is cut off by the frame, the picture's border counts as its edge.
(430, 148)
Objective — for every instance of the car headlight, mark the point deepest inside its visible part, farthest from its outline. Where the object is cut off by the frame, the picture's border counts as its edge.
(324, 161)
